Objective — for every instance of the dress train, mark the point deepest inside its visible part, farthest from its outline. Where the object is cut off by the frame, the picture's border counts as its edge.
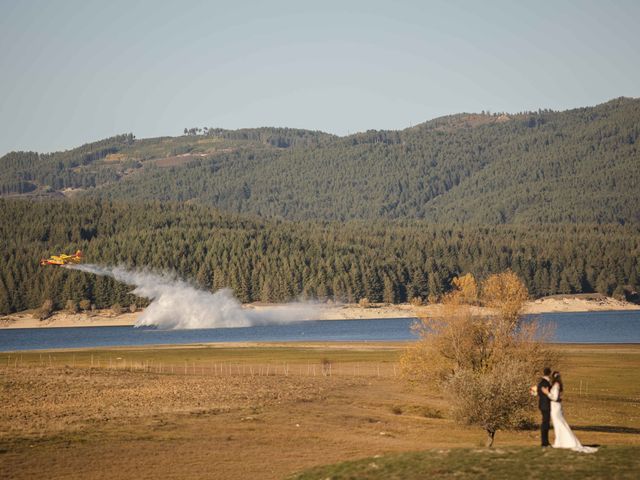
(564, 436)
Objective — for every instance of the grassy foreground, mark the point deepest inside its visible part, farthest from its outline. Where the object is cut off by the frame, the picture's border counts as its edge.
(528, 462)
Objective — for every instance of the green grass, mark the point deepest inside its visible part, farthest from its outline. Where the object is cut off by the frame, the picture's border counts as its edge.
(499, 463)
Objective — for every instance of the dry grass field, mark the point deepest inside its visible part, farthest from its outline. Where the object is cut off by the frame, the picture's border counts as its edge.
(261, 411)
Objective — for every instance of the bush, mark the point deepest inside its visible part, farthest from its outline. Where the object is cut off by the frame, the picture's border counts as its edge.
(364, 303)
(71, 306)
(422, 411)
(416, 301)
(326, 366)
(45, 310)
(618, 293)
(85, 305)
(133, 308)
(117, 308)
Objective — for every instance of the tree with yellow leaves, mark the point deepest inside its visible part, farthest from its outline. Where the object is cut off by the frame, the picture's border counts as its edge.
(506, 293)
(485, 364)
(465, 291)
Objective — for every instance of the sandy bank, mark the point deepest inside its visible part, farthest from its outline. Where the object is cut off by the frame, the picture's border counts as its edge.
(102, 318)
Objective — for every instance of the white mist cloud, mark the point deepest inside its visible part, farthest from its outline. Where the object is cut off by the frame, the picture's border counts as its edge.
(175, 304)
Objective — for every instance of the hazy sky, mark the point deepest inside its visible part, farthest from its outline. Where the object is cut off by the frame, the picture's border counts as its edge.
(77, 71)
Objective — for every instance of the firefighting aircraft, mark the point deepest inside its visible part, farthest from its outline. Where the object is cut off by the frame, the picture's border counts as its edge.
(62, 259)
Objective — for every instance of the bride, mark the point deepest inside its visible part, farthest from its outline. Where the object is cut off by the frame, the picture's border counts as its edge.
(564, 437)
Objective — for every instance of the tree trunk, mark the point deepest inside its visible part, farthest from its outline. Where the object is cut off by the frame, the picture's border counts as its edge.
(490, 436)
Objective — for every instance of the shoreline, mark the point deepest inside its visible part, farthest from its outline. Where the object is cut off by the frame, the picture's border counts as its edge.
(320, 345)
(338, 345)
(106, 318)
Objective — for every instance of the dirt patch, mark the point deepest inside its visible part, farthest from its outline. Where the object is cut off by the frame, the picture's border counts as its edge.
(115, 158)
(174, 161)
(39, 401)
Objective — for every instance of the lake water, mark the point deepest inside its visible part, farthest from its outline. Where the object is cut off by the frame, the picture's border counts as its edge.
(588, 327)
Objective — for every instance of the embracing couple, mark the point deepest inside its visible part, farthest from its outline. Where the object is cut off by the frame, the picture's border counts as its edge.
(550, 404)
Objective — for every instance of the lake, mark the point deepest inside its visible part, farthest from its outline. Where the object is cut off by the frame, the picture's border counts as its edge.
(584, 327)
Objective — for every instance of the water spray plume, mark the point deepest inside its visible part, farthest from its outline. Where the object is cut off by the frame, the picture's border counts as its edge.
(175, 304)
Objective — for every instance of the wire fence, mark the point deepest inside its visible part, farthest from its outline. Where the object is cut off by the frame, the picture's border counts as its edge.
(324, 368)
(315, 368)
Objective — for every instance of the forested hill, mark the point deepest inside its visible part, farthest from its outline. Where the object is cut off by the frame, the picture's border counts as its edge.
(575, 166)
(275, 260)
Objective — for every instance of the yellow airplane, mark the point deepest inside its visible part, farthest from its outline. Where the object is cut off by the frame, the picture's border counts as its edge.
(62, 259)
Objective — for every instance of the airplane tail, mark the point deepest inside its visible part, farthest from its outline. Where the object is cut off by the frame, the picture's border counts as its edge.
(78, 254)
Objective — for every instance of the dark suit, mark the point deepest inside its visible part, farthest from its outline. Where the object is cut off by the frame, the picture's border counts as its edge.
(544, 404)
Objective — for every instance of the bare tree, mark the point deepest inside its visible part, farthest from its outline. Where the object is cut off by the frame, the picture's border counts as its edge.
(484, 364)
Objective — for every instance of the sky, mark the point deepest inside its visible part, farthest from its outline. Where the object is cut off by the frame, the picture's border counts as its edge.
(76, 71)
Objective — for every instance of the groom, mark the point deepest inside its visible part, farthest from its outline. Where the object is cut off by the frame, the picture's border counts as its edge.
(544, 404)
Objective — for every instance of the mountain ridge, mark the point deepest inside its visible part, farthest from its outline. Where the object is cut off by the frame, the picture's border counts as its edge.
(578, 165)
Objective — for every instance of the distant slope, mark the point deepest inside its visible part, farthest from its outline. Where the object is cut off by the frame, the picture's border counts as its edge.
(576, 166)
(116, 158)
(580, 165)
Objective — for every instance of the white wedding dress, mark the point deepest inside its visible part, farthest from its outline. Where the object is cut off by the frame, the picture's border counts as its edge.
(564, 437)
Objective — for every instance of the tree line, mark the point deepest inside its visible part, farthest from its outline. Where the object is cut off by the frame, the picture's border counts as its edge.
(277, 260)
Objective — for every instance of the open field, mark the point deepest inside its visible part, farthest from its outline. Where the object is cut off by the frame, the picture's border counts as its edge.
(266, 411)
